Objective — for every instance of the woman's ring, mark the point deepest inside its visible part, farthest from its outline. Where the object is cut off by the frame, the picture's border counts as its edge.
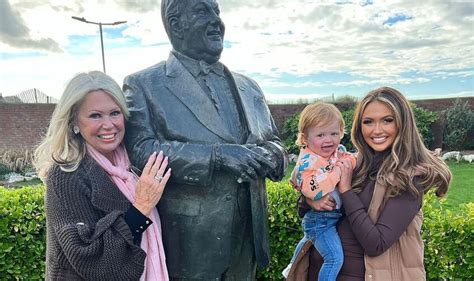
(159, 178)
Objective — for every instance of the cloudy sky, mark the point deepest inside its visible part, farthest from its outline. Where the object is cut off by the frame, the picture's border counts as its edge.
(295, 49)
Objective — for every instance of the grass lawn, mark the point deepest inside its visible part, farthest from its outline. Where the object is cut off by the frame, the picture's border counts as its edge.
(462, 186)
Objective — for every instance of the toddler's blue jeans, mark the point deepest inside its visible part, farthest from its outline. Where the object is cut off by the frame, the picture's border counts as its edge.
(320, 228)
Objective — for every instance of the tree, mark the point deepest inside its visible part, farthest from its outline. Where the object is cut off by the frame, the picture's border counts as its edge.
(459, 123)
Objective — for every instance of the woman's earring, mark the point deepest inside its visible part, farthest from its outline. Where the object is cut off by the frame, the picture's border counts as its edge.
(75, 129)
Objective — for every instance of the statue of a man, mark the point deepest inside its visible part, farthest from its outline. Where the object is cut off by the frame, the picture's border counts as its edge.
(216, 129)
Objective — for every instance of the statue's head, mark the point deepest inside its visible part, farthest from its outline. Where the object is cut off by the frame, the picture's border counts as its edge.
(194, 28)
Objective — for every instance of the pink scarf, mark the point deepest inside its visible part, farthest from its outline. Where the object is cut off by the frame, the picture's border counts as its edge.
(155, 265)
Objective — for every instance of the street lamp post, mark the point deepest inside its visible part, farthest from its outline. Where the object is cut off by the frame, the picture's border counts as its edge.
(100, 24)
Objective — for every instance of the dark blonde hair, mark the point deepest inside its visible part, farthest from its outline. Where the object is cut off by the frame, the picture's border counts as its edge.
(318, 114)
(408, 156)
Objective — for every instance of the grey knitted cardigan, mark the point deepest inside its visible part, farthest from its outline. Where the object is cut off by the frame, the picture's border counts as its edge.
(87, 236)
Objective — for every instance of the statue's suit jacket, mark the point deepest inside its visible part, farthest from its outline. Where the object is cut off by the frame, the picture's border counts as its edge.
(170, 112)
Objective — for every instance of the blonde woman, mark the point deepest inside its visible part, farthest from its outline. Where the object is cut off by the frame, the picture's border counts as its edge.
(380, 232)
(101, 219)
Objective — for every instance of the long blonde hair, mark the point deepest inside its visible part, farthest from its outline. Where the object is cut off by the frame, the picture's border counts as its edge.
(408, 156)
(61, 145)
(317, 114)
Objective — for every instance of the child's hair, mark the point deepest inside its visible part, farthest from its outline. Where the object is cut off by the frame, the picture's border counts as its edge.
(318, 114)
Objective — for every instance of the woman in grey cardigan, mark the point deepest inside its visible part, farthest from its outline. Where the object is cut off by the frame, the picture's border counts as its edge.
(102, 223)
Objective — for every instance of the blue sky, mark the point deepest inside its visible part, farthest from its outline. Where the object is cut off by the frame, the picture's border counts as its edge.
(294, 49)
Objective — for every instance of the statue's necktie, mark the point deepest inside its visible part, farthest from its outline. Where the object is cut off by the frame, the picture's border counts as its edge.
(221, 95)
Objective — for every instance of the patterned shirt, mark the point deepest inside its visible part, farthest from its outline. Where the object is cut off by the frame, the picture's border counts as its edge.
(315, 175)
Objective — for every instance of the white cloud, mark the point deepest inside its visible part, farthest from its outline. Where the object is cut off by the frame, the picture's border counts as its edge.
(267, 37)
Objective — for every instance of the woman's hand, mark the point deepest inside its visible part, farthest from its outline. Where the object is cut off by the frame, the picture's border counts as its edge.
(151, 183)
(326, 203)
(345, 183)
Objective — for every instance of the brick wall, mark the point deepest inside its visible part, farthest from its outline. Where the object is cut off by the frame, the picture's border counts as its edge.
(23, 125)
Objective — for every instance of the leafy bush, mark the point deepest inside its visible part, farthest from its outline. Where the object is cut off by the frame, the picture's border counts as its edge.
(285, 229)
(4, 170)
(448, 236)
(290, 129)
(348, 116)
(459, 123)
(424, 120)
(449, 251)
(22, 234)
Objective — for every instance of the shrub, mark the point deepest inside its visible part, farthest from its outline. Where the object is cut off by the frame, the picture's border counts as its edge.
(19, 161)
(448, 236)
(290, 129)
(449, 251)
(4, 170)
(459, 123)
(285, 230)
(348, 116)
(22, 234)
(424, 120)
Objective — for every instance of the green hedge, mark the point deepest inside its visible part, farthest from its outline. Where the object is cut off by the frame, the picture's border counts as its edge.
(22, 234)
(449, 250)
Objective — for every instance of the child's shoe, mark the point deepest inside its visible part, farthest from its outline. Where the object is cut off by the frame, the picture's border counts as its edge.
(286, 271)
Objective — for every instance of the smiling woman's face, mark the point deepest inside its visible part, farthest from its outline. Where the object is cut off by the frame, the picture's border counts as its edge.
(379, 128)
(101, 122)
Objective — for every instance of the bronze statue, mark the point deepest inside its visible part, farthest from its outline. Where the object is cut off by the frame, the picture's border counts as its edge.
(216, 129)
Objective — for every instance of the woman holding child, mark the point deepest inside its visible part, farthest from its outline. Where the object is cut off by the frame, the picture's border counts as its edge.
(382, 196)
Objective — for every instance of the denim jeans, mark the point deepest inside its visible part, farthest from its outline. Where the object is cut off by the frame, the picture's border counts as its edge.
(320, 228)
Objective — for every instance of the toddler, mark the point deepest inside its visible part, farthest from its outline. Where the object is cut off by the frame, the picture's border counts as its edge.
(320, 130)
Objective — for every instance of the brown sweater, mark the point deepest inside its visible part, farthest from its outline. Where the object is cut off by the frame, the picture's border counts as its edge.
(87, 235)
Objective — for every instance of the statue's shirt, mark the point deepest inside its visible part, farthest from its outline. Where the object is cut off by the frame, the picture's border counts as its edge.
(215, 83)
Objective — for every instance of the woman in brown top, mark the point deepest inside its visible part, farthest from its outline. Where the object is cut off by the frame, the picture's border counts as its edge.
(380, 232)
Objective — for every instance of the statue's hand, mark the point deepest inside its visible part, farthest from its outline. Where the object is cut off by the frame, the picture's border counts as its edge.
(277, 156)
(241, 161)
(267, 166)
